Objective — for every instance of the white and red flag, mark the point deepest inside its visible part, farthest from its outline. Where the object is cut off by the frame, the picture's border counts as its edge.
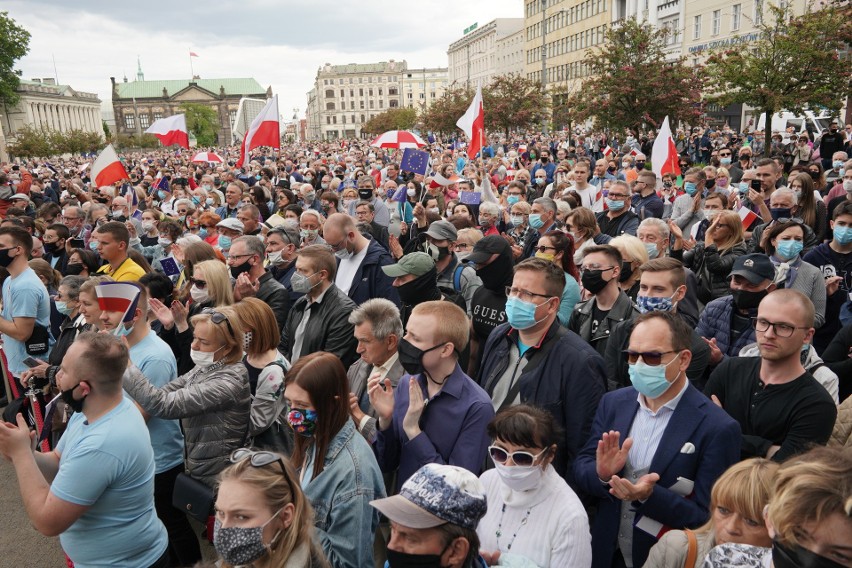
(473, 125)
(107, 168)
(664, 157)
(118, 297)
(264, 131)
(607, 151)
(747, 217)
(171, 130)
(440, 181)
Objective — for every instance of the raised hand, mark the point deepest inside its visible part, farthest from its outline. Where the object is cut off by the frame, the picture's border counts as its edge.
(381, 398)
(609, 456)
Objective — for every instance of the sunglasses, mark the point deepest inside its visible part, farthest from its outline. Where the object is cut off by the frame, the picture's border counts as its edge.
(544, 248)
(217, 318)
(261, 459)
(650, 358)
(200, 284)
(523, 459)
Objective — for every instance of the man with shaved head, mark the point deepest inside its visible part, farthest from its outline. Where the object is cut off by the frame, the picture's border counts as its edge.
(360, 259)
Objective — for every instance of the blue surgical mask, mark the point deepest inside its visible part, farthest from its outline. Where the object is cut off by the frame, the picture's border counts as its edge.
(837, 164)
(202, 232)
(62, 308)
(536, 221)
(512, 199)
(614, 204)
(517, 220)
(521, 314)
(209, 201)
(652, 250)
(224, 242)
(650, 304)
(743, 187)
(787, 250)
(725, 161)
(161, 194)
(650, 380)
(843, 235)
(690, 188)
(93, 245)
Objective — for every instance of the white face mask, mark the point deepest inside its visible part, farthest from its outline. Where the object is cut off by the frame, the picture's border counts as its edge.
(147, 226)
(520, 478)
(198, 295)
(202, 358)
(710, 213)
(847, 185)
(274, 258)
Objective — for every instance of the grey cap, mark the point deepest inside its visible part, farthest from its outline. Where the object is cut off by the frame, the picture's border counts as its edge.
(231, 223)
(443, 230)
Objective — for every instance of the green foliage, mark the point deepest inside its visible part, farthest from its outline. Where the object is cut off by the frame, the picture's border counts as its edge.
(793, 65)
(14, 44)
(34, 142)
(391, 119)
(441, 116)
(202, 122)
(513, 102)
(107, 132)
(632, 82)
(145, 141)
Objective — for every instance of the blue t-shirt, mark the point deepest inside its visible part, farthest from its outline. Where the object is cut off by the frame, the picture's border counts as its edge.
(24, 296)
(155, 359)
(109, 467)
(570, 298)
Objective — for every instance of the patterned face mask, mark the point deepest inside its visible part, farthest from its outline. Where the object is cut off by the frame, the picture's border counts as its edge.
(302, 421)
(239, 546)
(247, 340)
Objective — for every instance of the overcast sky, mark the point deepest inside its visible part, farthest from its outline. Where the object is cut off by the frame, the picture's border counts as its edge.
(280, 43)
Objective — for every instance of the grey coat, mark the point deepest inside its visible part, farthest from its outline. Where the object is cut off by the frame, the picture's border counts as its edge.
(213, 405)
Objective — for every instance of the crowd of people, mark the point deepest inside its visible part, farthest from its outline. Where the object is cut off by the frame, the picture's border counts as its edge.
(545, 356)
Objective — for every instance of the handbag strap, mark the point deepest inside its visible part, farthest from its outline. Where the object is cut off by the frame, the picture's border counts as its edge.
(692, 549)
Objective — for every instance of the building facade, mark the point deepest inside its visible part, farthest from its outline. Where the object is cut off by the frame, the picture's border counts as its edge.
(46, 105)
(483, 50)
(422, 87)
(137, 104)
(344, 97)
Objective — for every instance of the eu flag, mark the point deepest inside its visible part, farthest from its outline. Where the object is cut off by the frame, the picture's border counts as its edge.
(415, 161)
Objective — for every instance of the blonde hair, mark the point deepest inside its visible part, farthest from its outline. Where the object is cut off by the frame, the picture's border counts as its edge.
(279, 491)
(469, 235)
(630, 247)
(811, 487)
(229, 333)
(218, 281)
(452, 325)
(735, 227)
(745, 488)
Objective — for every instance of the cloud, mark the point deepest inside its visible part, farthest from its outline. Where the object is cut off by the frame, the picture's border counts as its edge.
(281, 44)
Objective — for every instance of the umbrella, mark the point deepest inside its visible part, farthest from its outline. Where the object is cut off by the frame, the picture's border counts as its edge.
(207, 157)
(398, 139)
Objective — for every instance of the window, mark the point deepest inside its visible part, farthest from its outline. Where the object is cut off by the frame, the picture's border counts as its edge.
(758, 12)
(362, 105)
(328, 120)
(717, 21)
(130, 121)
(392, 92)
(736, 11)
(360, 92)
(362, 119)
(351, 92)
(393, 103)
(329, 106)
(329, 94)
(372, 105)
(696, 27)
(342, 93)
(381, 91)
(353, 119)
(351, 105)
(343, 119)
(232, 115)
(144, 120)
(370, 92)
(675, 30)
(381, 103)
(340, 81)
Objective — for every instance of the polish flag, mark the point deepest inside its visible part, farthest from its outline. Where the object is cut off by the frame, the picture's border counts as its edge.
(440, 181)
(264, 131)
(171, 130)
(118, 297)
(607, 151)
(747, 216)
(193, 54)
(664, 158)
(107, 169)
(473, 125)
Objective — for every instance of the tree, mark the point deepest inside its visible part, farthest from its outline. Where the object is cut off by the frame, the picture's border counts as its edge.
(513, 102)
(441, 116)
(42, 142)
(633, 83)
(202, 122)
(793, 65)
(391, 119)
(14, 44)
(30, 142)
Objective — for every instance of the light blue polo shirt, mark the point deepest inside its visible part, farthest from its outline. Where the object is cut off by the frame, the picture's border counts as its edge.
(24, 296)
(155, 359)
(109, 467)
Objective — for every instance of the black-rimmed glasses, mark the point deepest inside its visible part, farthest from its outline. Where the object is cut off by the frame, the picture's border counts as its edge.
(779, 329)
(524, 295)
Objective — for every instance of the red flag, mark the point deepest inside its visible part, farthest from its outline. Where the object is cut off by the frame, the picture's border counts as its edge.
(264, 131)
(193, 54)
(664, 158)
(107, 169)
(171, 130)
(473, 125)
(747, 217)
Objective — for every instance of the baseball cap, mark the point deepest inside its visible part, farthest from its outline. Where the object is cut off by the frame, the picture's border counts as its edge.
(754, 267)
(484, 248)
(437, 494)
(416, 263)
(231, 223)
(443, 230)
(19, 196)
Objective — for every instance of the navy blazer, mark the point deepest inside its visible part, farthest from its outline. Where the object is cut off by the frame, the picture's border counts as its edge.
(715, 437)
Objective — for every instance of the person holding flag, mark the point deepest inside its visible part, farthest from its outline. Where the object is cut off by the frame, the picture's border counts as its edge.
(473, 125)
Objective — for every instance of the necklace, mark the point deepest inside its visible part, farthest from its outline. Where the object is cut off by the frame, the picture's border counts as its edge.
(499, 531)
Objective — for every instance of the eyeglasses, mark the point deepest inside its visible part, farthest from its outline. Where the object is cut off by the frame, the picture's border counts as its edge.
(616, 195)
(200, 284)
(544, 248)
(779, 329)
(217, 318)
(523, 459)
(601, 268)
(524, 295)
(262, 459)
(650, 358)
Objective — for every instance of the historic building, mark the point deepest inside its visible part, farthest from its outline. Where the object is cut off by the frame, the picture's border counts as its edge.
(44, 104)
(482, 52)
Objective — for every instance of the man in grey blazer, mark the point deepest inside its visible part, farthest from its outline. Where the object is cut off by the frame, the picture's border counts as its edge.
(378, 329)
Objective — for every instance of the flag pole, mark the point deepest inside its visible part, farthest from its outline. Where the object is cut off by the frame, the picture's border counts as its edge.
(191, 69)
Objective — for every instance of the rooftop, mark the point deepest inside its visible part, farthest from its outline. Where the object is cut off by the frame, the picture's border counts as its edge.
(154, 89)
(358, 68)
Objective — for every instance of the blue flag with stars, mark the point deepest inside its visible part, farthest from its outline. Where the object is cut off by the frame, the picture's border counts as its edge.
(415, 161)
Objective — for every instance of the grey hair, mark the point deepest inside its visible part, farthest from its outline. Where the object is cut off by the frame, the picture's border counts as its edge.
(547, 203)
(72, 285)
(658, 224)
(489, 208)
(563, 207)
(253, 244)
(189, 204)
(313, 213)
(367, 179)
(781, 191)
(187, 240)
(383, 316)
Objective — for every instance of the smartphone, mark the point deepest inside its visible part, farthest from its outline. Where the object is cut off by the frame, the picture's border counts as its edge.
(32, 362)
(755, 185)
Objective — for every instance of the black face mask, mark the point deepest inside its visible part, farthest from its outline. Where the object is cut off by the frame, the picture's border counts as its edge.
(68, 398)
(626, 271)
(73, 269)
(497, 275)
(814, 175)
(5, 259)
(746, 299)
(640, 165)
(797, 556)
(421, 289)
(240, 268)
(406, 560)
(544, 159)
(49, 248)
(593, 280)
(365, 194)
(710, 183)
(411, 359)
(443, 252)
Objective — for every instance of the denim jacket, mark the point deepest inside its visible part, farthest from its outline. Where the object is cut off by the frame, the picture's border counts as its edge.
(344, 519)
